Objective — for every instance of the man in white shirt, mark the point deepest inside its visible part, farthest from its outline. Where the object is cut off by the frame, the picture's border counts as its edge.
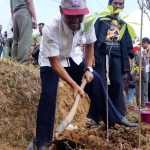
(59, 58)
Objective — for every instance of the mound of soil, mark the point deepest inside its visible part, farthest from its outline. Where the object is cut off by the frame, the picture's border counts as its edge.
(20, 89)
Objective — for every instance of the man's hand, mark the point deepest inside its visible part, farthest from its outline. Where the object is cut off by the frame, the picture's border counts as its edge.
(77, 90)
(34, 24)
(88, 76)
(143, 69)
(30, 57)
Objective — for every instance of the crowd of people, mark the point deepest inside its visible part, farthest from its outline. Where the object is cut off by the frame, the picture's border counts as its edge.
(63, 49)
(131, 79)
(17, 43)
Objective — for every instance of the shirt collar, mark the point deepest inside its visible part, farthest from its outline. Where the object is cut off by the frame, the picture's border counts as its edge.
(65, 27)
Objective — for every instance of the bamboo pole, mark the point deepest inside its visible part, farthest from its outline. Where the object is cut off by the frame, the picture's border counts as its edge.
(140, 66)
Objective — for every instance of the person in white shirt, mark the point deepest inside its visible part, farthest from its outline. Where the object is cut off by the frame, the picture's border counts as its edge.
(59, 58)
(10, 35)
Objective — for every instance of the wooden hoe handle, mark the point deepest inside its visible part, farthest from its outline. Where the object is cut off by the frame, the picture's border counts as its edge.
(71, 114)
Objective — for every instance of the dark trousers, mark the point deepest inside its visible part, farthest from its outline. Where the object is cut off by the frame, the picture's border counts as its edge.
(46, 108)
(1, 50)
(115, 89)
(143, 93)
(9, 41)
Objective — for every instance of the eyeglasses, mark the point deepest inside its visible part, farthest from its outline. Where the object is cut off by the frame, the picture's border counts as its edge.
(116, 3)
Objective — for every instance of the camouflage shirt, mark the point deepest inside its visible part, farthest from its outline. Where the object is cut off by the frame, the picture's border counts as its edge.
(36, 40)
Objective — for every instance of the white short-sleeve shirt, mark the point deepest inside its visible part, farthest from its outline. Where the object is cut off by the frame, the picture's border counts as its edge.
(59, 40)
(9, 28)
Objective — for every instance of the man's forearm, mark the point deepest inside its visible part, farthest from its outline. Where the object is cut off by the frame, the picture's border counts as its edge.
(31, 9)
(32, 49)
(89, 54)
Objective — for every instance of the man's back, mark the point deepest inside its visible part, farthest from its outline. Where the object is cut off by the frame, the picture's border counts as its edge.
(18, 4)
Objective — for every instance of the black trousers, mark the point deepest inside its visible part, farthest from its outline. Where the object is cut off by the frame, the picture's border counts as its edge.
(115, 89)
(9, 41)
(1, 50)
(46, 107)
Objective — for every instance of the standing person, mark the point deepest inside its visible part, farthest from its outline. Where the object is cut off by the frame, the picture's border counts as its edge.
(57, 58)
(5, 48)
(1, 41)
(22, 11)
(36, 40)
(10, 35)
(120, 54)
(146, 45)
(146, 48)
(144, 76)
(129, 88)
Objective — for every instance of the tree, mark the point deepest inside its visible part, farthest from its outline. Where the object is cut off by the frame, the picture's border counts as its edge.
(146, 7)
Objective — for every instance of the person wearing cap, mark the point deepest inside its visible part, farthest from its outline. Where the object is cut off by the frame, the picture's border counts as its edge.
(58, 59)
(146, 49)
(119, 52)
(144, 76)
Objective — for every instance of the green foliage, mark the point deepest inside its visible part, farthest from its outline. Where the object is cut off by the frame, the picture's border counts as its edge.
(131, 31)
(87, 17)
(134, 23)
(88, 24)
(23, 141)
(124, 17)
(115, 22)
(111, 11)
(104, 13)
(117, 11)
(122, 31)
(135, 68)
(105, 19)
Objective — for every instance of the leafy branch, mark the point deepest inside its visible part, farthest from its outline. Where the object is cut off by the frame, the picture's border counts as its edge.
(111, 12)
(135, 68)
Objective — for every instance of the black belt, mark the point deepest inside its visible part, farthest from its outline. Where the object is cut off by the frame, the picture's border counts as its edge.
(111, 48)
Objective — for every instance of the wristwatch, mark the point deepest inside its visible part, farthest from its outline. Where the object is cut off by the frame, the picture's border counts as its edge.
(89, 69)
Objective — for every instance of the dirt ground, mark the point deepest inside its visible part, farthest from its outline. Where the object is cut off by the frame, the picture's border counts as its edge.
(19, 95)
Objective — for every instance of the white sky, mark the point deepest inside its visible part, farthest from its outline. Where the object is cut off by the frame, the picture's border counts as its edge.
(46, 8)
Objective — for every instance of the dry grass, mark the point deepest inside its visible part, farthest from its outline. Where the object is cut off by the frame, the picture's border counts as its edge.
(19, 95)
(20, 89)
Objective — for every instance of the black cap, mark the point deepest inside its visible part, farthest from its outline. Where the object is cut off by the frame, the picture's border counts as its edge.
(146, 39)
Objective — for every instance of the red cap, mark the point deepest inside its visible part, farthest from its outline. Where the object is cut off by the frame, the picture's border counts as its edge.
(74, 7)
(136, 48)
